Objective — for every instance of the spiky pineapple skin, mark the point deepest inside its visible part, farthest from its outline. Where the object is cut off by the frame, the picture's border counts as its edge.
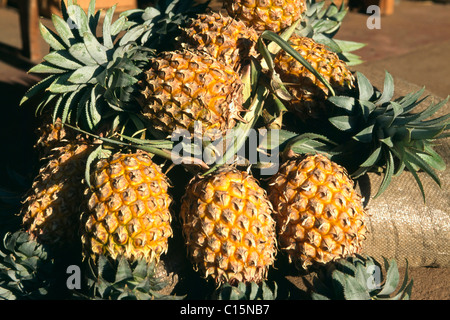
(308, 92)
(320, 217)
(128, 209)
(273, 15)
(230, 41)
(183, 88)
(228, 227)
(51, 211)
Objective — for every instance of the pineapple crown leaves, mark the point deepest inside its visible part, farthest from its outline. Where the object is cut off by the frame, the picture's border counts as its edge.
(121, 280)
(293, 144)
(246, 291)
(87, 75)
(26, 268)
(307, 143)
(396, 137)
(156, 27)
(322, 19)
(321, 23)
(361, 278)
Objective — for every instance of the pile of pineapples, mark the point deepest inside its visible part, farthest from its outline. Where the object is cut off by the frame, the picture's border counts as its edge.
(118, 93)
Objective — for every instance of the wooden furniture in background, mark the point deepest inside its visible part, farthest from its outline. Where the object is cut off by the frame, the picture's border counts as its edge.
(29, 29)
(387, 7)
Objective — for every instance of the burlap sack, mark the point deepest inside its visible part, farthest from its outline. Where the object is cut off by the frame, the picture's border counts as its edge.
(401, 225)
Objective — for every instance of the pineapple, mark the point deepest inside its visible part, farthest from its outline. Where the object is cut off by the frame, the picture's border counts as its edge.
(183, 87)
(124, 280)
(229, 41)
(51, 211)
(52, 135)
(92, 80)
(228, 227)
(361, 278)
(309, 93)
(319, 215)
(322, 21)
(127, 210)
(274, 15)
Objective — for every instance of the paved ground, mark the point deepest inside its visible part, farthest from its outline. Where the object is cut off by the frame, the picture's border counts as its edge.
(413, 45)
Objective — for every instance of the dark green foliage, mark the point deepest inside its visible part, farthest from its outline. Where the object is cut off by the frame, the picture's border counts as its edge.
(246, 291)
(121, 280)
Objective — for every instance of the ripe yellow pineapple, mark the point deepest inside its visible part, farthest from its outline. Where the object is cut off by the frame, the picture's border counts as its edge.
(128, 210)
(274, 15)
(226, 39)
(51, 211)
(320, 217)
(308, 91)
(228, 226)
(183, 87)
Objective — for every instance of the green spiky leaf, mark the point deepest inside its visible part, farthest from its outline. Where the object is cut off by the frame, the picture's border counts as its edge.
(321, 23)
(52, 39)
(63, 30)
(78, 19)
(95, 48)
(26, 268)
(246, 291)
(107, 37)
(62, 59)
